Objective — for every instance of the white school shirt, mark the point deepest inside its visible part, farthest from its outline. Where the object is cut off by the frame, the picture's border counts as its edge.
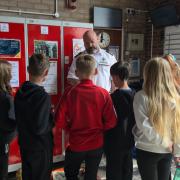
(104, 61)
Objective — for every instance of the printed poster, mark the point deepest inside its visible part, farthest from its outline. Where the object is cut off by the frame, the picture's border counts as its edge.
(44, 30)
(48, 48)
(10, 48)
(78, 46)
(50, 84)
(14, 73)
(4, 27)
(135, 68)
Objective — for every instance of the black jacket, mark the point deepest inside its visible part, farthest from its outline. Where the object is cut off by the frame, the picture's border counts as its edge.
(34, 118)
(121, 137)
(7, 118)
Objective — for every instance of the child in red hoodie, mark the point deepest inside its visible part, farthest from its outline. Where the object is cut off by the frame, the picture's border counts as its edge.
(85, 112)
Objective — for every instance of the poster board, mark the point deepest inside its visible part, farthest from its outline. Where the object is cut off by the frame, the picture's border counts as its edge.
(45, 37)
(72, 33)
(12, 49)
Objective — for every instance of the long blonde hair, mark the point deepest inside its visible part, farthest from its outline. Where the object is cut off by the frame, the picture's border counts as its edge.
(163, 98)
(5, 76)
(175, 70)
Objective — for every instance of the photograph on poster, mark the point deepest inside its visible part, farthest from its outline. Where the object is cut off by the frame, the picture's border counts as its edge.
(135, 67)
(78, 46)
(10, 48)
(48, 48)
(50, 84)
(14, 73)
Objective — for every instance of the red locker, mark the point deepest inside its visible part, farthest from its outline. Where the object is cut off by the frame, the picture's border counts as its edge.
(44, 37)
(72, 30)
(41, 36)
(12, 49)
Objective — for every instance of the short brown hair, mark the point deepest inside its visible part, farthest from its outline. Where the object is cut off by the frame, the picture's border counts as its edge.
(37, 64)
(85, 64)
(121, 70)
(5, 76)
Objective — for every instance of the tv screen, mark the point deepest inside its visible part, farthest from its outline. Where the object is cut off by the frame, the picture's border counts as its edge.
(107, 17)
(164, 16)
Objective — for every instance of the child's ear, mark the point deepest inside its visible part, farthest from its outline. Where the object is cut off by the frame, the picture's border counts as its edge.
(114, 78)
(46, 72)
(95, 71)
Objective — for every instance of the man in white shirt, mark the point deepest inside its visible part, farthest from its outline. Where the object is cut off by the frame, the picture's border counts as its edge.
(103, 59)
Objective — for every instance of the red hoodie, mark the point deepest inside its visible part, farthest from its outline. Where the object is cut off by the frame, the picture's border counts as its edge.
(86, 111)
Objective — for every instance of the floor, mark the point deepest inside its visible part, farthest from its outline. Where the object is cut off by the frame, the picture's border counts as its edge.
(59, 175)
(101, 172)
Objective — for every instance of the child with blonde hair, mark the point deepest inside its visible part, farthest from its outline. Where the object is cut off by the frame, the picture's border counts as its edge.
(85, 112)
(7, 116)
(157, 117)
(175, 69)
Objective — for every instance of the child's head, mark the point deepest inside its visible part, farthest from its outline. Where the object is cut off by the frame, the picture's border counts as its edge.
(174, 67)
(85, 67)
(38, 66)
(5, 76)
(120, 72)
(157, 76)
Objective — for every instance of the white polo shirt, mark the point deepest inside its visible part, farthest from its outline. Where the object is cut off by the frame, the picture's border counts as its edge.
(104, 61)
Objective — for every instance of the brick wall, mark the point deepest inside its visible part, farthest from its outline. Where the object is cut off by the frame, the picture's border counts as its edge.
(83, 13)
(158, 41)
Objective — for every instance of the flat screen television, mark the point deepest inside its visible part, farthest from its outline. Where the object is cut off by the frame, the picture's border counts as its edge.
(164, 16)
(107, 17)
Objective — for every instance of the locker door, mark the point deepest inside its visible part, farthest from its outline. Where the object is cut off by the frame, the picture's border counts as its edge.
(12, 49)
(44, 38)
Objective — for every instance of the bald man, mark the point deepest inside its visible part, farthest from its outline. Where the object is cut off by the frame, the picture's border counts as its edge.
(103, 59)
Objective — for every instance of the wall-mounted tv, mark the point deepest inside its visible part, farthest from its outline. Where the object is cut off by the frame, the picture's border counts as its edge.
(107, 17)
(164, 16)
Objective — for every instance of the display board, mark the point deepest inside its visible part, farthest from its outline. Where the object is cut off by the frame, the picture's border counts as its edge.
(12, 49)
(57, 40)
(73, 42)
(44, 37)
(72, 45)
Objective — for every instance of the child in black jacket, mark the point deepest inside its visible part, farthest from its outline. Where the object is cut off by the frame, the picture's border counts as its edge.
(7, 117)
(35, 122)
(119, 141)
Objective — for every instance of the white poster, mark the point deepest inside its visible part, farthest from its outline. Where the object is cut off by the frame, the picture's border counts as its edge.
(50, 84)
(78, 46)
(44, 30)
(14, 73)
(4, 27)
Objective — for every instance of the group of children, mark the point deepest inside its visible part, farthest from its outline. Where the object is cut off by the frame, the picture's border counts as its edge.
(95, 121)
